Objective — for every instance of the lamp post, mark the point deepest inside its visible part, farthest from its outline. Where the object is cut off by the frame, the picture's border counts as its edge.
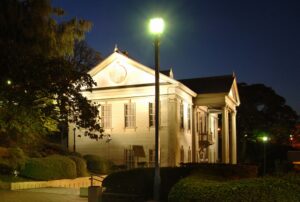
(156, 27)
(265, 139)
(74, 137)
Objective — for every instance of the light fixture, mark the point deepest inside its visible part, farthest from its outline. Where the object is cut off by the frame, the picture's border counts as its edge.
(156, 25)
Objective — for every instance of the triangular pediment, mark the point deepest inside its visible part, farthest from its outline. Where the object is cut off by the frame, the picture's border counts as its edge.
(233, 93)
(120, 70)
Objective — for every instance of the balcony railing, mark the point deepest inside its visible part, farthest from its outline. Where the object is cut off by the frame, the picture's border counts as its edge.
(205, 140)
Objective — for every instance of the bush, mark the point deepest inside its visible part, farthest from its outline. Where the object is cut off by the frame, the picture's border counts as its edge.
(258, 189)
(140, 181)
(96, 164)
(13, 160)
(81, 167)
(226, 171)
(49, 168)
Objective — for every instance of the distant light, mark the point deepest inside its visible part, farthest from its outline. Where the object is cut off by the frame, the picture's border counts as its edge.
(156, 25)
(245, 135)
(265, 138)
(8, 82)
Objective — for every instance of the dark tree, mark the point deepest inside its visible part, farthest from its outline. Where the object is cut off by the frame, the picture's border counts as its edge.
(41, 72)
(262, 112)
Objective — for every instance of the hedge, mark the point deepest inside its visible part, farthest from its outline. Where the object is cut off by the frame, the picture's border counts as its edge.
(96, 164)
(140, 181)
(268, 189)
(49, 168)
(81, 167)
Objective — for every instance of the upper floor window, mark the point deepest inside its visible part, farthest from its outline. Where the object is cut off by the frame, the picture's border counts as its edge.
(181, 116)
(106, 116)
(129, 113)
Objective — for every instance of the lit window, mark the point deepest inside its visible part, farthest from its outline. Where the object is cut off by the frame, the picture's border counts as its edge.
(106, 116)
(151, 114)
(181, 116)
(129, 113)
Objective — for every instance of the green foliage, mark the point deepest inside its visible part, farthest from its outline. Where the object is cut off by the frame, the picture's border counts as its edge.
(81, 167)
(96, 164)
(15, 160)
(223, 171)
(41, 77)
(49, 168)
(194, 188)
(140, 181)
(15, 121)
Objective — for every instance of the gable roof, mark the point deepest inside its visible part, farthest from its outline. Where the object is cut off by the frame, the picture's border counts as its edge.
(123, 59)
(205, 85)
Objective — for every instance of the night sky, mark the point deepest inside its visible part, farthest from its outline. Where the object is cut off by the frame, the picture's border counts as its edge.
(258, 40)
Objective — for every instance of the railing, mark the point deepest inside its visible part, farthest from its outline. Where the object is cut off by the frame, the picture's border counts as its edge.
(205, 140)
(98, 178)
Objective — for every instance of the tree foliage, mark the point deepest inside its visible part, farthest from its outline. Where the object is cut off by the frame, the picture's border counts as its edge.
(41, 72)
(263, 111)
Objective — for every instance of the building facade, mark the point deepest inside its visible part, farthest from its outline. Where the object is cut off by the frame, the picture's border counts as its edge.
(197, 120)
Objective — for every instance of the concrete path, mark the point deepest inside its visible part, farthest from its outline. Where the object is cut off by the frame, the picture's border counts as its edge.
(42, 195)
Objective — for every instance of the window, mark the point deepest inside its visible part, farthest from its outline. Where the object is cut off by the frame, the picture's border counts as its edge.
(106, 116)
(129, 158)
(151, 114)
(181, 116)
(129, 113)
(151, 162)
(181, 155)
(189, 155)
(189, 118)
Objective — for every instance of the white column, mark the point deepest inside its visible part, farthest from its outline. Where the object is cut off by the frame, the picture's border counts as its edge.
(194, 129)
(225, 136)
(233, 138)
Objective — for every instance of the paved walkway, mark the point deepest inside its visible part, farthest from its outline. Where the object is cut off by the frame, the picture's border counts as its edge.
(42, 195)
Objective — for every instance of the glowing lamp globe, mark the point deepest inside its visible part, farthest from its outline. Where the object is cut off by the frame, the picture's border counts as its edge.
(265, 138)
(156, 25)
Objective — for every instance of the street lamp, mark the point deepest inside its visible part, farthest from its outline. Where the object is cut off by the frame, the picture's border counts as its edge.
(265, 139)
(74, 137)
(156, 27)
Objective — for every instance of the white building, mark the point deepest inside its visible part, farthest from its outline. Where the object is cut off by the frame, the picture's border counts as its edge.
(189, 114)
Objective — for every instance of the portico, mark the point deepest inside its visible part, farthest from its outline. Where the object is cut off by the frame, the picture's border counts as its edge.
(218, 98)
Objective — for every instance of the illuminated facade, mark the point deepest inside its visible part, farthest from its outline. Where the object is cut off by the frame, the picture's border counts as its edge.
(190, 111)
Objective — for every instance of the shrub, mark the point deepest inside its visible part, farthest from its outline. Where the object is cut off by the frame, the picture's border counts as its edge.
(49, 168)
(13, 160)
(226, 171)
(96, 164)
(140, 181)
(81, 167)
(258, 189)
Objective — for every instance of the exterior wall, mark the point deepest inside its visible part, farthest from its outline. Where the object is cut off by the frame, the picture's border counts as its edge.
(171, 135)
